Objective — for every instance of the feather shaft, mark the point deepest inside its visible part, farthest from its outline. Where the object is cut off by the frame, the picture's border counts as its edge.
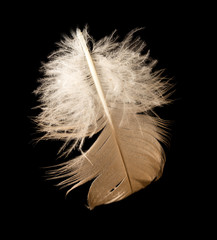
(102, 97)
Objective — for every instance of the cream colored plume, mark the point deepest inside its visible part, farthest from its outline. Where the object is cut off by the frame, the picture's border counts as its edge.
(106, 86)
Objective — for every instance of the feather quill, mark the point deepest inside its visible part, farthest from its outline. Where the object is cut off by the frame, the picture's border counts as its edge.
(110, 88)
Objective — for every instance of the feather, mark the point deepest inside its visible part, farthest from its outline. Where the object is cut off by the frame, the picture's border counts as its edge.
(106, 87)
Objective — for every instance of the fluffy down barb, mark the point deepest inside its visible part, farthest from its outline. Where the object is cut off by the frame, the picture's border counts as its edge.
(104, 89)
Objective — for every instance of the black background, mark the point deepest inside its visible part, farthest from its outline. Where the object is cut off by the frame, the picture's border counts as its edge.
(169, 206)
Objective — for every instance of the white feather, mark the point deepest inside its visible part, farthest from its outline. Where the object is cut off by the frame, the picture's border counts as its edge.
(85, 91)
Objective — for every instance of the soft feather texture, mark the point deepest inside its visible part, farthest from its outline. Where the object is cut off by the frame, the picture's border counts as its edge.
(127, 155)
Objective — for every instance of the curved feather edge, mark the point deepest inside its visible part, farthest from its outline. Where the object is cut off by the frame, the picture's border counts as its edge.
(142, 154)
